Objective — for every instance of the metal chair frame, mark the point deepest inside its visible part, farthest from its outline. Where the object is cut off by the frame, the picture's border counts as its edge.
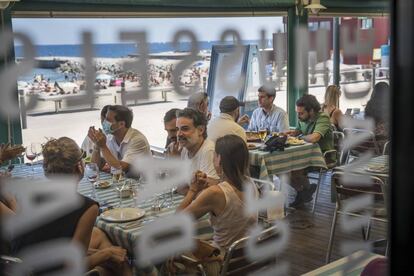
(339, 211)
(266, 234)
(385, 150)
(239, 244)
(371, 139)
(338, 138)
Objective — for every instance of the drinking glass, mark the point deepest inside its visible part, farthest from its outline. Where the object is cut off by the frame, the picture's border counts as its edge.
(170, 204)
(92, 173)
(263, 134)
(119, 182)
(32, 152)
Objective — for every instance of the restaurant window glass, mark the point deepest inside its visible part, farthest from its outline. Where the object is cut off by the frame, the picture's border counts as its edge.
(60, 73)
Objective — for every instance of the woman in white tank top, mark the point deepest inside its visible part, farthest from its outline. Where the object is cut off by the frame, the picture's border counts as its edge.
(224, 201)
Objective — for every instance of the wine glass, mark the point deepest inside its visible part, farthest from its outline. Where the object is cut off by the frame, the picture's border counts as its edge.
(119, 182)
(263, 134)
(92, 173)
(31, 153)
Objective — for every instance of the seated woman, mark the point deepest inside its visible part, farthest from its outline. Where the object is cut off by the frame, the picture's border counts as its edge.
(7, 202)
(378, 109)
(331, 105)
(63, 156)
(224, 201)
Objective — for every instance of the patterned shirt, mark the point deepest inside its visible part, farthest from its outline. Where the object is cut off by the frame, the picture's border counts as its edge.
(275, 121)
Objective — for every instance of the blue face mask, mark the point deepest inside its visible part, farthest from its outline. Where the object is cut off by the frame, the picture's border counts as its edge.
(106, 127)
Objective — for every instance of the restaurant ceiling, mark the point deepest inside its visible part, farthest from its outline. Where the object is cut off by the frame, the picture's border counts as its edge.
(178, 8)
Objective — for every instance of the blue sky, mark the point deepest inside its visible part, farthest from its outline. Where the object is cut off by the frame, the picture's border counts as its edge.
(68, 31)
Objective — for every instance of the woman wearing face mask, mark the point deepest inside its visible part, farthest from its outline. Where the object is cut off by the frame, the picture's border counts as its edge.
(63, 157)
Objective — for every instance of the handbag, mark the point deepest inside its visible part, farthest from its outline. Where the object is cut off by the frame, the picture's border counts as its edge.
(275, 143)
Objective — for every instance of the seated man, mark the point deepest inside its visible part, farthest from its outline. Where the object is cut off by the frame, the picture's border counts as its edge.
(87, 144)
(199, 101)
(192, 134)
(267, 115)
(123, 144)
(226, 123)
(170, 125)
(315, 127)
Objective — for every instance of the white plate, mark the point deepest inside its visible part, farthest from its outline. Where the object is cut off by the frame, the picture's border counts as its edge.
(105, 186)
(122, 214)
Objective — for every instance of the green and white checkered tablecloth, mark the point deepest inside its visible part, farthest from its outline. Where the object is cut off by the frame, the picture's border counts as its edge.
(125, 237)
(291, 159)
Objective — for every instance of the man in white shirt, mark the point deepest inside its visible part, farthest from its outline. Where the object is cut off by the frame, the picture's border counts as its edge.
(192, 134)
(87, 144)
(226, 123)
(199, 101)
(121, 144)
(268, 116)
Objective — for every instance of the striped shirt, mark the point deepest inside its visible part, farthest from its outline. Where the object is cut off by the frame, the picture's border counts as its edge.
(274, 121)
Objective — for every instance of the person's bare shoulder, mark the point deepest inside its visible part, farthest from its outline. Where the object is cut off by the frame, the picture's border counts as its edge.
(213, 192)
(337, 112)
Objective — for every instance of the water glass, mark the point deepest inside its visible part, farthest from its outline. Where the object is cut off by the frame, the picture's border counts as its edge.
(118, 181)
(92, 173)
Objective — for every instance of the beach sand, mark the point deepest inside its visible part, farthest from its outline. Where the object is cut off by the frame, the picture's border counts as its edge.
(148, 116)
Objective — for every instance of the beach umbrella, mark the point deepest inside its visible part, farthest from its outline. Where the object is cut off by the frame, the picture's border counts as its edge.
(103, 77)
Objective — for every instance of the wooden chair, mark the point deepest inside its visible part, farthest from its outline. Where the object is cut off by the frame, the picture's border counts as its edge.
(346, 191)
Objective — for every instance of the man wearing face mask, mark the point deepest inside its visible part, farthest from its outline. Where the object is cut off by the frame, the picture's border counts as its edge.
(226, 123)
(88, 144)
(118, 143)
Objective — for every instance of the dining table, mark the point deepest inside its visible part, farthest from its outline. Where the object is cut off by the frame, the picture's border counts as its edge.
(291, 158)
(124, 234)
(376, 166)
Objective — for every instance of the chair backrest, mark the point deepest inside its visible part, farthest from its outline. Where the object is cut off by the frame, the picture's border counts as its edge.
(158, 152)
(263, 186)
(369, 144)
(235, 260)
(346, 190)
(338, 138)
(386, 149)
